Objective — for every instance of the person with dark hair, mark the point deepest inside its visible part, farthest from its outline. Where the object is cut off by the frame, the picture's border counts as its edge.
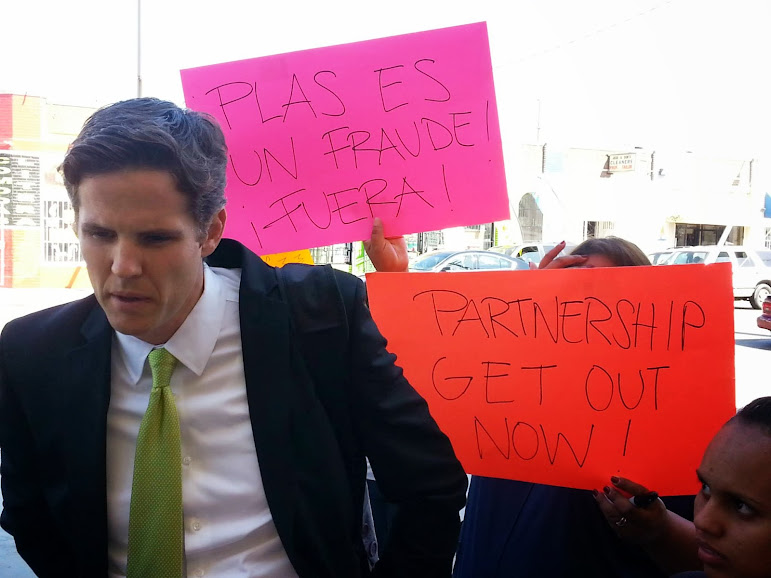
(527, 530)
(204, 413)
(610, 252)
(730, 535)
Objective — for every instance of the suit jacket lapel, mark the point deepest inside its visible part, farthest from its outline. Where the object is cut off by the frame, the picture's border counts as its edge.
(86, 389)
(267, 346)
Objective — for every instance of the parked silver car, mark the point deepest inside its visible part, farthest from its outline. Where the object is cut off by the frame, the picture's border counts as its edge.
(751, 267)
(660, 257)
(532, 251)
(465, 261)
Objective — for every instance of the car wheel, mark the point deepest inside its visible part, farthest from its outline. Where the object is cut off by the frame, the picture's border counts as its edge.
(762, 291)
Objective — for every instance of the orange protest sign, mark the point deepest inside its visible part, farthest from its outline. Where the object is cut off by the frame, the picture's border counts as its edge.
(566, 377)
(281, 259)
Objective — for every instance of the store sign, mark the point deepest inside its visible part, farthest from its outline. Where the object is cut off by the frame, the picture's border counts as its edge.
(19, 190)
(621, 163)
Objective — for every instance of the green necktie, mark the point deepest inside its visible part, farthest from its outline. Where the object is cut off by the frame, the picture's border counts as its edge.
(155, 544)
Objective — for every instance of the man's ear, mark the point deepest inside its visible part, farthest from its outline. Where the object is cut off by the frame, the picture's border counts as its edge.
(214, 233)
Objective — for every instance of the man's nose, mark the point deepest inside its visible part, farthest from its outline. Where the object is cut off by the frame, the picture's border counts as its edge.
(126, 260)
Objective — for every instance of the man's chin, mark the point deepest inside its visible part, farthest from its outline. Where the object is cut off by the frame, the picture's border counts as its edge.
(127, 325)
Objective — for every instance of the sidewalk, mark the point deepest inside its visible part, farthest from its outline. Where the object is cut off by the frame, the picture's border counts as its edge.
(11, 564)
(17, 302)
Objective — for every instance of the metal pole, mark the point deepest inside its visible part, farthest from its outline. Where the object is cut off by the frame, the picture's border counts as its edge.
(538, 126)
(139, 48)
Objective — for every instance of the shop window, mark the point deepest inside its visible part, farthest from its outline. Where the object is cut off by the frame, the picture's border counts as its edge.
(691, 234)
(60, 245)
(339, 254)
(598, 229)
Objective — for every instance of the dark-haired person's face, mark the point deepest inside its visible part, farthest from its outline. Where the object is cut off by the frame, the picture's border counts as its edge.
(143, 250)
(593, 261)
(733, 508)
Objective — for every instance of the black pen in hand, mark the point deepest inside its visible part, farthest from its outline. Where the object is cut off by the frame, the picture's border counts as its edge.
(644, 500)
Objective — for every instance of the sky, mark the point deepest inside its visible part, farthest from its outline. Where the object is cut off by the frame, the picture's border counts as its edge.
(661, 74)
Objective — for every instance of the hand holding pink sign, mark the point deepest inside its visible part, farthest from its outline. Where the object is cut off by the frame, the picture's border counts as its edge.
(321, 141)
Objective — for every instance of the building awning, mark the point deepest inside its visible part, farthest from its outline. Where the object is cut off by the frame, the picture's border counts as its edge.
(715, 209)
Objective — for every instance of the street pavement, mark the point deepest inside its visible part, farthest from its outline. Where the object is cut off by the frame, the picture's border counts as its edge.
(11, 565)
(752, 354)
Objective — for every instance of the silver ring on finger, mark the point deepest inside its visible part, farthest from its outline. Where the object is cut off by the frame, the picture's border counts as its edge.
(621, 522)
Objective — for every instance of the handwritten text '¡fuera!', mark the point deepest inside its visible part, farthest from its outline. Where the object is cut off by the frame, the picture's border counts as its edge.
(618, 323)
(318, 209)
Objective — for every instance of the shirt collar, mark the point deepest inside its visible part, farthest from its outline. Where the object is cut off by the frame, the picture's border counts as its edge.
(193, 342)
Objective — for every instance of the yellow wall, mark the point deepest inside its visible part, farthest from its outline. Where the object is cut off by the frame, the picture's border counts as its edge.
(67, 277)
(26, 123)
(25, 258)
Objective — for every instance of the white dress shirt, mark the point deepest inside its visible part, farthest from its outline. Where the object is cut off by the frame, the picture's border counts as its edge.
(228, 527)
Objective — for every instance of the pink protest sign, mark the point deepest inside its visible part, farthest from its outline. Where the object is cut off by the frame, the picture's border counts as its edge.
(321, 141)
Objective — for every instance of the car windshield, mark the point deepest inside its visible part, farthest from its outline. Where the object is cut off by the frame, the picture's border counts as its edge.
(765, 257)
(503, 249)
(430, 260)
(659, 258)
(688, 257)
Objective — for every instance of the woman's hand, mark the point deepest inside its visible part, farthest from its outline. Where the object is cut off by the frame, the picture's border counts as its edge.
(551, 261)
(386, 253)
(667, 538)
(640, 525)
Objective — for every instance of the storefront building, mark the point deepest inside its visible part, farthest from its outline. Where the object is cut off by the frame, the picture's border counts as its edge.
(38, 247)
(655, 199)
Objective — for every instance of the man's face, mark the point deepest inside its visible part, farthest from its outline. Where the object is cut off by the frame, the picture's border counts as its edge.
(733, 509)
(143, 250)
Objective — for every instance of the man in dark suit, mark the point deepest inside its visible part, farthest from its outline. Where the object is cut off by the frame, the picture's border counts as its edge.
(270, 439)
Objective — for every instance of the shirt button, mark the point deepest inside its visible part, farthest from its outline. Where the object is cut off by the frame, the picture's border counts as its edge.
(186, 460)
(199, 573)
(196, 525)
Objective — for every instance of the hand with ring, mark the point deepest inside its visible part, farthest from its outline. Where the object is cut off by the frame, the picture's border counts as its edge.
(636, 524)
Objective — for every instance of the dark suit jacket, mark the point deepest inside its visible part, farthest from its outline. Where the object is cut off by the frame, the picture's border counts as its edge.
(311, 438)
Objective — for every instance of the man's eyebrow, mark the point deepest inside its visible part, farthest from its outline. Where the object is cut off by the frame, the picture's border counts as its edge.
(89, 226)
(175, 233)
